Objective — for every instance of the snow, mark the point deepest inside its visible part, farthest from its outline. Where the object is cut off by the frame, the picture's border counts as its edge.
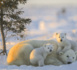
(4, 66)
(46, 21)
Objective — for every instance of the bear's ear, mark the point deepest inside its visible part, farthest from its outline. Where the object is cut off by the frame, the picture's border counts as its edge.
(65, 34)
(56, 33)
(44, 45)
(52, 44)
(76, 52)
(60, 53)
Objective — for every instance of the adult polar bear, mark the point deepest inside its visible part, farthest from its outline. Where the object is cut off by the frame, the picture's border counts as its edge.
(19, 54)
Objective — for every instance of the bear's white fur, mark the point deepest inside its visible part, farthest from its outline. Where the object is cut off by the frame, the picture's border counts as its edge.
(65, 44)
(38, 55)
(19, 54)
(62, 58)
(68, 57)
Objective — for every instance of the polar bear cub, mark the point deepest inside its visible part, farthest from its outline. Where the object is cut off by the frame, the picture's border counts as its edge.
(38, 55)
(65, 44)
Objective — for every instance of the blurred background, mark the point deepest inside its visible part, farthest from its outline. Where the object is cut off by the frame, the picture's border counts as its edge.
(48, 17)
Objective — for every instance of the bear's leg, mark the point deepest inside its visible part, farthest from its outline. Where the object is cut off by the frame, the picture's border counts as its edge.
(41, 62)
(52, 61)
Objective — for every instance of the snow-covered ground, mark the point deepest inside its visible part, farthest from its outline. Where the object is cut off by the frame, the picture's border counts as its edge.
(45, 22)
(4, 66)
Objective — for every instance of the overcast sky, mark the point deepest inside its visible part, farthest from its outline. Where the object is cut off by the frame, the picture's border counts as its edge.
(52, 2)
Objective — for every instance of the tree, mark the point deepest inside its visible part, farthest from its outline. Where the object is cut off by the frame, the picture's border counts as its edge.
(11, 19)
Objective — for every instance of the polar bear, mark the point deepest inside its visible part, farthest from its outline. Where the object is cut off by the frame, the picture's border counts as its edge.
(38, 55)
(68, 57)
(62, 58)
(19, 54)
(65, 44)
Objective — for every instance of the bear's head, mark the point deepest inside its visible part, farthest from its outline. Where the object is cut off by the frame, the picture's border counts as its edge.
(60, 37)
(48, 47)
(68, 57)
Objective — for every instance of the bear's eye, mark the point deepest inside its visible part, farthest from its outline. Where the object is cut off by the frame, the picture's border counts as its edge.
(48, 47)
(73, 57)
(67, 56)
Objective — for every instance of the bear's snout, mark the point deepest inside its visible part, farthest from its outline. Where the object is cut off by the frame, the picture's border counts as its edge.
(61, 40)
(50, 50)
(69, 62)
